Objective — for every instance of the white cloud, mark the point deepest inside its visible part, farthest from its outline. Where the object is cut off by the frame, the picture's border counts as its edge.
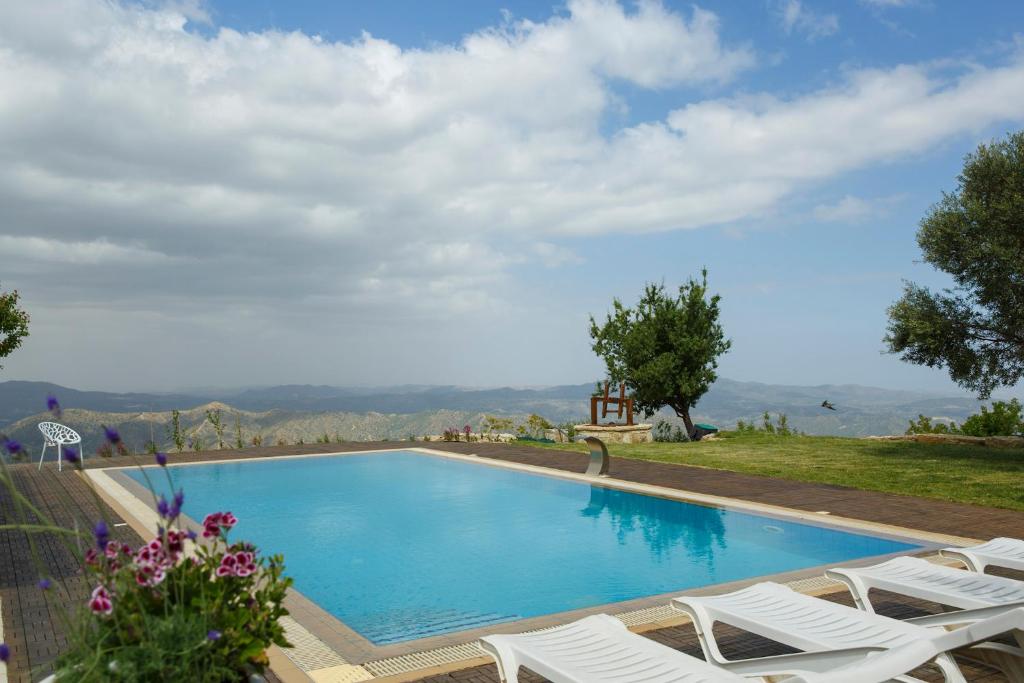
(553, 255)
(851, 209)
(795, 16)
(271, 171)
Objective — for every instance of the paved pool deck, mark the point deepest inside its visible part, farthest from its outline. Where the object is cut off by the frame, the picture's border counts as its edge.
(31, 621)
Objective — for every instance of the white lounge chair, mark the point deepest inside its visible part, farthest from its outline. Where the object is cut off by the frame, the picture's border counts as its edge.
(813, 625)
(921, 579)
(600, 649)
(56, 434)
(999, 552)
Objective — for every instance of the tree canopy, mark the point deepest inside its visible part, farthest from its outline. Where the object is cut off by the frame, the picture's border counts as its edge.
(974, 329)
(666, 349)
(13, 323)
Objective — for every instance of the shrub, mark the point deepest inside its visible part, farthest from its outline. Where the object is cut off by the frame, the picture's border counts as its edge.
(924, 425)
(665, 433)
(176, 436)
(215, 419)
(492, 424)
(450, 434)
(536, 424)
(1004, 419)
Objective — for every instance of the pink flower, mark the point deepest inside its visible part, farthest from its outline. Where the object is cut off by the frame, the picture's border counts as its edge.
(90, 556)
(152, 562)
(217, 522)
(176, 544)
(149, 575)
(240, 564)
(100, 602)
(227, 565)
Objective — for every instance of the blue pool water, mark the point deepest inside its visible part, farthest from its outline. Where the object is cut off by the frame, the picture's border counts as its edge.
(402, 545)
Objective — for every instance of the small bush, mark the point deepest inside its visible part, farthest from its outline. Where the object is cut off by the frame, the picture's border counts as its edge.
(1004, 419)
(924, 425)
(665, 433)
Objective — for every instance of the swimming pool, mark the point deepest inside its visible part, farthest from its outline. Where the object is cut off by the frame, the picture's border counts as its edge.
(401, 545)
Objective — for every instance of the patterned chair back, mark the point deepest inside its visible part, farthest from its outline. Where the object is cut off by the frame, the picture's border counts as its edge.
(58, 434)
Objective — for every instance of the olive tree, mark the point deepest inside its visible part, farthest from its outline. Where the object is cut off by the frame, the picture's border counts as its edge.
(974, 329)
(665, 349)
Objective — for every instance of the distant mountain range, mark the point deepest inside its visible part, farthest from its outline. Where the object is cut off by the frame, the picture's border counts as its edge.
(291, 412)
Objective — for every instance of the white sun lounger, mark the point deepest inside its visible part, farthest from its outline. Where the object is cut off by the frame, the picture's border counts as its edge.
(921, 579)
(999, 552)
(810, 624)
(599, 649)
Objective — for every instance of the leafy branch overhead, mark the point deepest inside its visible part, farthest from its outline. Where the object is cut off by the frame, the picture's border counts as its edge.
(13, 323)
(974, 329)
(665, 349)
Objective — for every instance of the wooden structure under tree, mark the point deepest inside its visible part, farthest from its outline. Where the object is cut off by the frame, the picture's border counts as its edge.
(620, 401)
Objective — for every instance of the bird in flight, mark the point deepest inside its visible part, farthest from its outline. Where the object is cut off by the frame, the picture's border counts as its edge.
(826, 404)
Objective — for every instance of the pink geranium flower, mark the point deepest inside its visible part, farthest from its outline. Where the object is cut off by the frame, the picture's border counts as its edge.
(101, 603)
(240, 564)
(217, 522)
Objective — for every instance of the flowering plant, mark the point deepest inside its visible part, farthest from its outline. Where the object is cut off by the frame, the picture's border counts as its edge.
(185, 605)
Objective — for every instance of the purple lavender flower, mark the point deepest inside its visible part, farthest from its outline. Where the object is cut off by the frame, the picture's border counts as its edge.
(213, 634)
(70, 454)
(12, 446)
(5, 653)
(44, 584)
(161, 459)
(102, 534)
(192, 535)
(112, 435)
(179, 498)
(53, 405)
(162, 507)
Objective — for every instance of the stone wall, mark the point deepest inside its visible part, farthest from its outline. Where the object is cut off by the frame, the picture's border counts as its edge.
(959, 439)
(640, 433)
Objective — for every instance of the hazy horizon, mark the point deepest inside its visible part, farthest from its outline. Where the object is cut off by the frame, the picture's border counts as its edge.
(220, 192)
(226, 390)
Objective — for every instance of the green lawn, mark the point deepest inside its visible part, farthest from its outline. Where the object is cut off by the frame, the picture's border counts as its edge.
(966, 474)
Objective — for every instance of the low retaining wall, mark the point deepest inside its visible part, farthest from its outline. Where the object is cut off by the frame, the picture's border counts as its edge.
(958, 439)
(640, 433)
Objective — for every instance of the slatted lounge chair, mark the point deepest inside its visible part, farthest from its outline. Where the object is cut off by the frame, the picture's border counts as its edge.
(999, 552)
(921, 579)
(56, 434)
(600, 649)
(813, 625)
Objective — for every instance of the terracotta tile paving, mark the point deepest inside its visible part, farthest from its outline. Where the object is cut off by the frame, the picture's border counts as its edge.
(32, 621)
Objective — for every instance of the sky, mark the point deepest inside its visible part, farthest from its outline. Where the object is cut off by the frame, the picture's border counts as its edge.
(250, 192)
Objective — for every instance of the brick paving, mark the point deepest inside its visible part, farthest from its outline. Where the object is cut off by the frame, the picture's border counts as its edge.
(33, 621)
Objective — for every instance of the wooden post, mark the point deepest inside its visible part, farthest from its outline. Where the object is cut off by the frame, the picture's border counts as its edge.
(604, 408)
(593, 409)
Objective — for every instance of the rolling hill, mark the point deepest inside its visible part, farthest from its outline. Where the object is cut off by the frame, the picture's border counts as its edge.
(305, 411)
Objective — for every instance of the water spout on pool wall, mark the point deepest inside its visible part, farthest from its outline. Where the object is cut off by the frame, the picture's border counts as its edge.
(599, 461)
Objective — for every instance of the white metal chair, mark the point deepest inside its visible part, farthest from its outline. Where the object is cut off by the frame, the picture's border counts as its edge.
(56, 434)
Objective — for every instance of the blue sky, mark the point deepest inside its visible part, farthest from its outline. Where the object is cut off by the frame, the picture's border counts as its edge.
(256, 192)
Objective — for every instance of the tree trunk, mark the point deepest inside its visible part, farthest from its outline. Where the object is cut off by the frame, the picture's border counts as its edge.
(685, 414)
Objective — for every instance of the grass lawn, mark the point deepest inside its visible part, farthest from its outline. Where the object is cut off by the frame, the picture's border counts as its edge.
(965, 474)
